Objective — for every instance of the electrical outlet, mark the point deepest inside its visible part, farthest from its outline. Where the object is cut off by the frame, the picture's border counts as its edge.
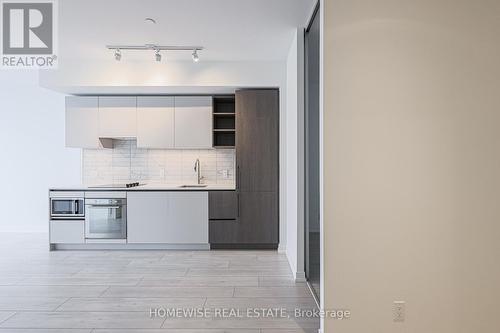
(399, 311)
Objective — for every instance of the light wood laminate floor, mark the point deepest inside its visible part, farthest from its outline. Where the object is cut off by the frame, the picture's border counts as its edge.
(114, 291)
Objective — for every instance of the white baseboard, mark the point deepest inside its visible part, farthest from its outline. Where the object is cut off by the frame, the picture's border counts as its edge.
(300, 277)
(281, 248)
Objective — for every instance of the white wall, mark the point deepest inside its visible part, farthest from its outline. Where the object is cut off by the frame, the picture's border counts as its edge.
(412, 164)
(33, 153)
(294, 156)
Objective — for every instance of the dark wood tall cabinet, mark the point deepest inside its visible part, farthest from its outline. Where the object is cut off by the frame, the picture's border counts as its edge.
(257, 174)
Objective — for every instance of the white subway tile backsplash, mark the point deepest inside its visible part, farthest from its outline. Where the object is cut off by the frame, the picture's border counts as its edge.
(126, 163)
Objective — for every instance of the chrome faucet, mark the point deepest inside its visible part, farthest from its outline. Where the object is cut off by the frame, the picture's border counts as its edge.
(197, 168)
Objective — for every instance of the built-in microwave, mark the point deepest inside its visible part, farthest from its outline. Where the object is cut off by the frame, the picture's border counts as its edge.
(67, 208)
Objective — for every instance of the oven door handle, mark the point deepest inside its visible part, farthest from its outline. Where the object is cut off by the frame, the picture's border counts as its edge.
(105, 206)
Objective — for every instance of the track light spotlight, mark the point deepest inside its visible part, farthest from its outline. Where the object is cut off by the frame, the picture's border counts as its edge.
(195, 56)
(118, 55)
(157, 50)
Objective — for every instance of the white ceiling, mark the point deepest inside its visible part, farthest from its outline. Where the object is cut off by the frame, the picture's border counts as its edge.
(230, 30)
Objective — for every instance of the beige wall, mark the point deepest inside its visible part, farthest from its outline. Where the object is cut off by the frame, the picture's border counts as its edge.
(412, 164)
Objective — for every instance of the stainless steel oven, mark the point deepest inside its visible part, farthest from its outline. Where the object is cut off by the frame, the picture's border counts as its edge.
(106, 218)
(67, 208)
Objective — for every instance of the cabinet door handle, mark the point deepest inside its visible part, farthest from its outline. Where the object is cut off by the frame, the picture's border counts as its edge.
(238, 205)
(238, 176)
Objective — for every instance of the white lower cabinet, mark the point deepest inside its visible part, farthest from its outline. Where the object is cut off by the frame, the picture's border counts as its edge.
(67, 232)
(167, 217)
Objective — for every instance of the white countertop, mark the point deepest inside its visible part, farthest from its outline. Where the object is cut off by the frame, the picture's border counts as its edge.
(149, 187)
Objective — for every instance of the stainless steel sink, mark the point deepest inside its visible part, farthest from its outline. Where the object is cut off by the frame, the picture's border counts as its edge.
(193, 185)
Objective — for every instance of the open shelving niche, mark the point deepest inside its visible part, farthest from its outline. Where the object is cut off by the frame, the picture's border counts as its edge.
(224, 121)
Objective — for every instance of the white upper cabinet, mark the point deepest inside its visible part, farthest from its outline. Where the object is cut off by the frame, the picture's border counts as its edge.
(193, 122)
(162, 122)
(82, 122)
(117, 116)
(155, 122)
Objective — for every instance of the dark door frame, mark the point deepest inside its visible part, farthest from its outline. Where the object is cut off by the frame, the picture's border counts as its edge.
(316, 293)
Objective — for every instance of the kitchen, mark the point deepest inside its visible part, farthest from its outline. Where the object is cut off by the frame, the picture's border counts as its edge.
(171, 172)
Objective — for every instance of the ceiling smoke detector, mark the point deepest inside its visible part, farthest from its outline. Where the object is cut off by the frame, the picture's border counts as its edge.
(195, 56)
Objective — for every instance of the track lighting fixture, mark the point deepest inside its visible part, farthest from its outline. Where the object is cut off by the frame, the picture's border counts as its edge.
(195, 56)
(156, 49)
(118, 55)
